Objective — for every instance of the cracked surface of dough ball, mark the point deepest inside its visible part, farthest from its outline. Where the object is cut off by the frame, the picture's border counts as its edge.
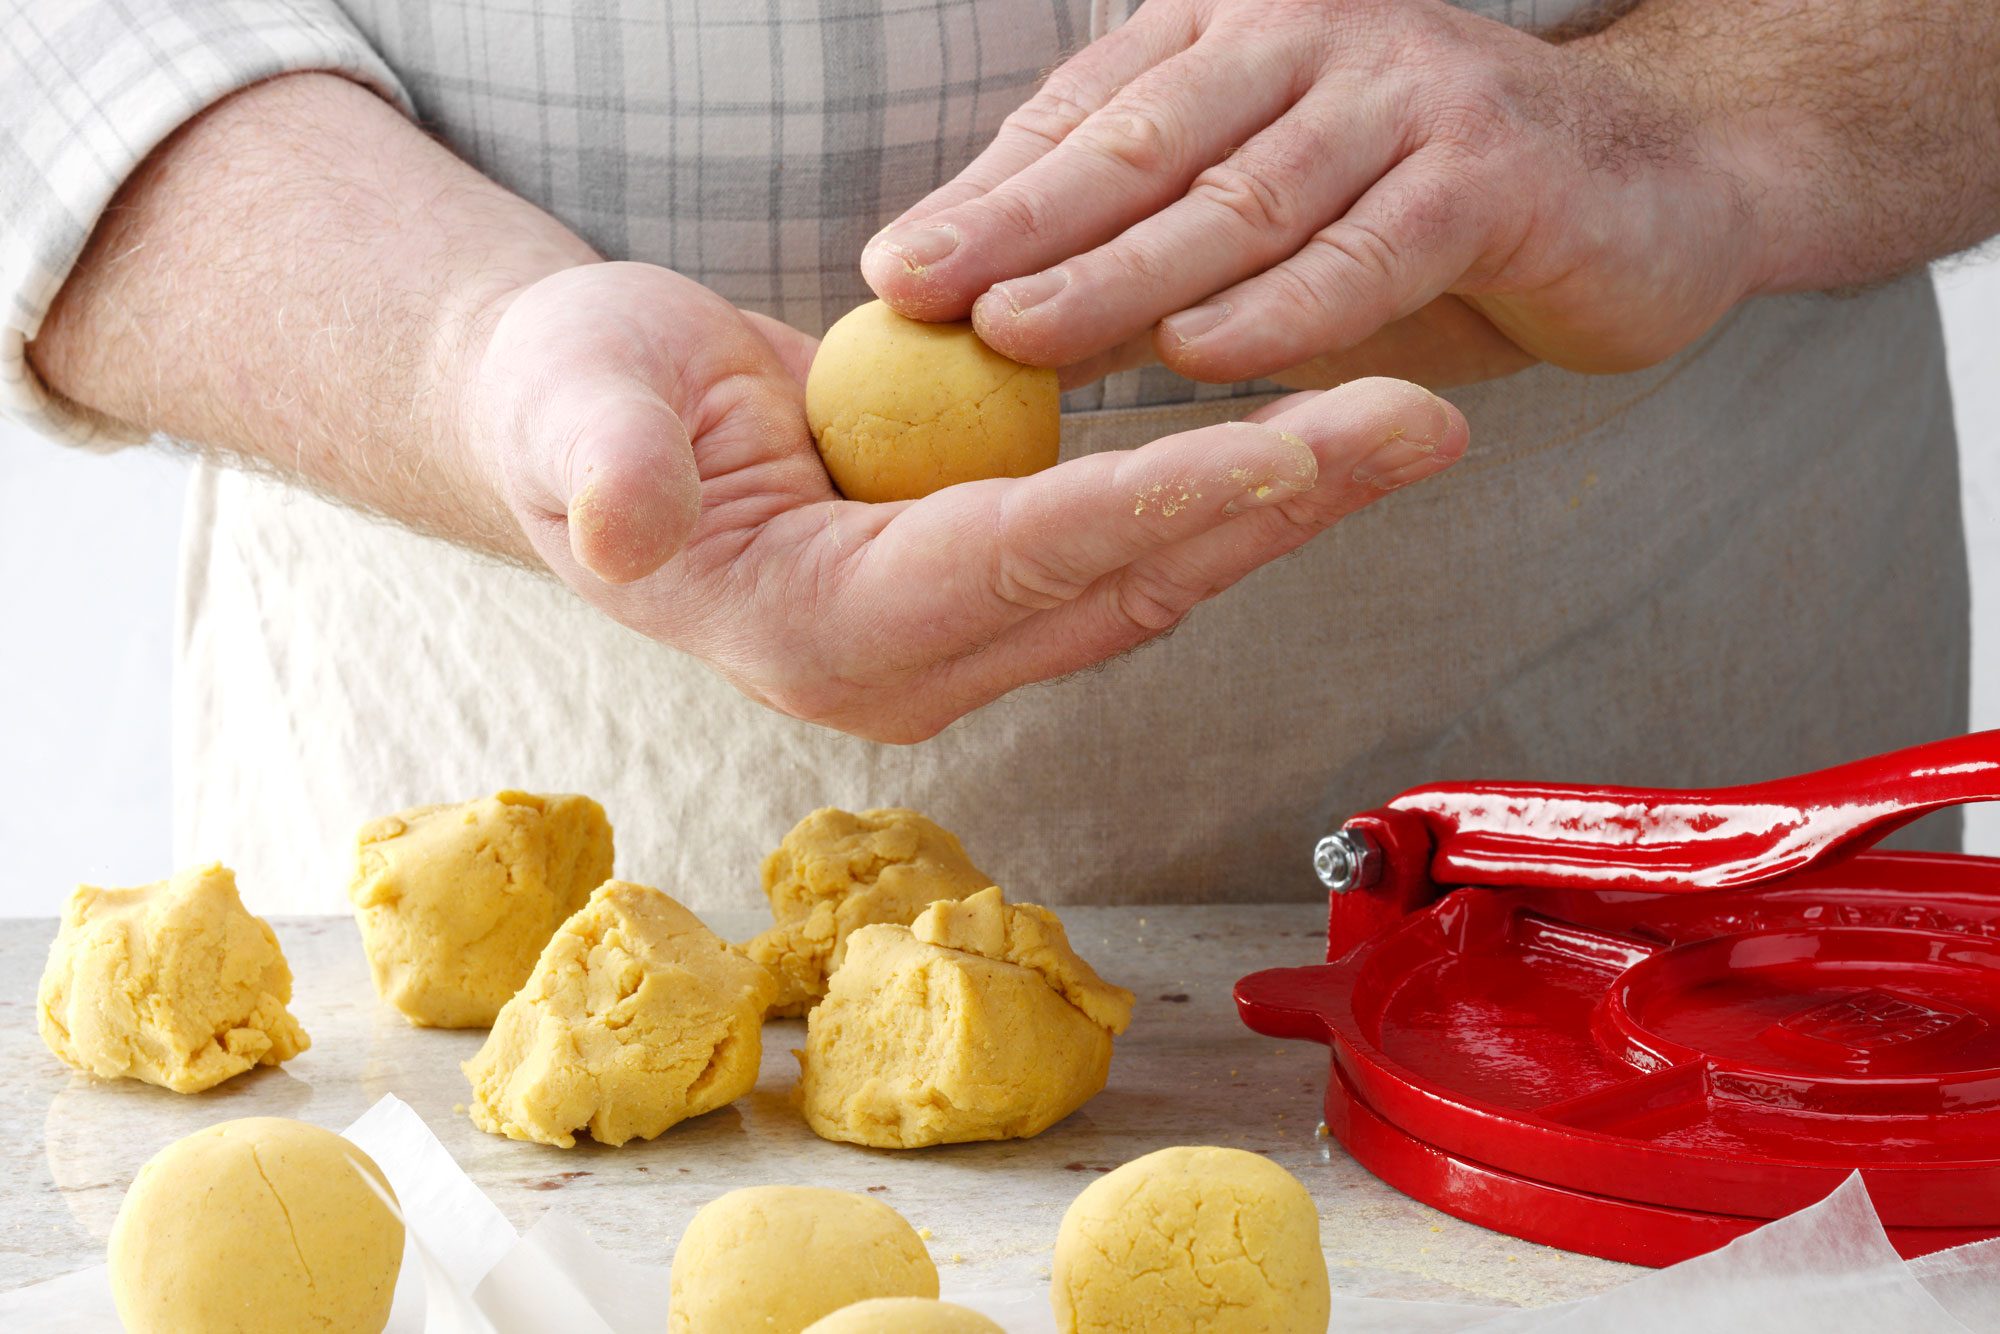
(902, 408)
(837, 871)
(1216, 1241)
(636, 1017)
(976, 1022)
(456, 902)
(903, 1315)
(259, 1224)
(773, 1259)
(174, 983)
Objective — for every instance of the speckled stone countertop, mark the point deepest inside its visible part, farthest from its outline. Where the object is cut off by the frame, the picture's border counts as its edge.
(1187, 1073)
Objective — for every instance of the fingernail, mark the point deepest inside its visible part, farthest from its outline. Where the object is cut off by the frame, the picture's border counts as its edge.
(1192, 323)
(918, 247)
(1410, 450)
(1022, 293)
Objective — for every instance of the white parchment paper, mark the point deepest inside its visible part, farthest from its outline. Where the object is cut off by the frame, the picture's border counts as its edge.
(1828, 1269)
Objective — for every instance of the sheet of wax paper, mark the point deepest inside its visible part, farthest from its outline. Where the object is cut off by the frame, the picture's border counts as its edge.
(1828, 1269)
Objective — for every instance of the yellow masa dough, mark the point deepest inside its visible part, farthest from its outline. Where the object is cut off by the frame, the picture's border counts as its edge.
(1191, 1241)
(774, 1259)
(837, 871)
(902, 408)
(455, 902)
(636, 1017)
(259, 1224)
(174, 983)
(976, 1022)
(903, 1315)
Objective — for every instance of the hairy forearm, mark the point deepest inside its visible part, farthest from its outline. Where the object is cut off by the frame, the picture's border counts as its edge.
(291, 280)
(1865, 133)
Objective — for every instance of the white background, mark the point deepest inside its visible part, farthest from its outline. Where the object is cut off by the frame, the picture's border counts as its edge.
(87, 547)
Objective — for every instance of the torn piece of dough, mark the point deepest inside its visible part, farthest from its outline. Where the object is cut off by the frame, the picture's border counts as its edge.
(455, 902)
(837, 871)
(636, 1017)
(1191, 1241)
(262, 1224)
(976, 1022)
(773, 1259)
(174, 983)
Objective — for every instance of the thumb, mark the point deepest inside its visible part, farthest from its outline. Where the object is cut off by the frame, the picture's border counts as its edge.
(622, 474)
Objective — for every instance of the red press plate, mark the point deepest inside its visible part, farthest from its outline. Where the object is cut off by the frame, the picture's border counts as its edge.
(1552, 1061)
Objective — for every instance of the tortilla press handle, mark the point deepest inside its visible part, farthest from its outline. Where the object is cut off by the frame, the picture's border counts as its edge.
(1651, 839)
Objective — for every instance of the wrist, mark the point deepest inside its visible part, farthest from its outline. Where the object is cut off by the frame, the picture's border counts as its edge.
(470, 305)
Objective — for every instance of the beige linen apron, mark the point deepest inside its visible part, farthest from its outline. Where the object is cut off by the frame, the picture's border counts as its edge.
(1744, 562)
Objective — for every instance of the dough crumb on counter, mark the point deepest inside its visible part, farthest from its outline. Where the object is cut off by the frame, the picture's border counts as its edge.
(976, 1022)
(173, 983)
(455, 902)
(635, 1018)
(838, 871)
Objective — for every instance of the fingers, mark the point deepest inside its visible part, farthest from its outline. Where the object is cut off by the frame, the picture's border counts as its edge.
(1445, 343)
(1075, 89)
(1364, 441)
(616, 464)
(1403, 243)
(1124, 161)
(1239, 216)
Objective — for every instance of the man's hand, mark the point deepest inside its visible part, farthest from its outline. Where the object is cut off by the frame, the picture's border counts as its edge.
(1313, 189)
(651, 442)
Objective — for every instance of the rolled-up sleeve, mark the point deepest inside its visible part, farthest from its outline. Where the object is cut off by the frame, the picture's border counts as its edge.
(87, 90)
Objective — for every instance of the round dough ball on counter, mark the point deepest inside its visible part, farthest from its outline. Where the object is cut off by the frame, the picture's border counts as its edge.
(456, 902)
(174, 983)
(903, 1315)
(837, 871)
(256, 1224)
(636, 1017)
(977, 1021)
(774, 1259)
(902, 408)
(1215, 1241)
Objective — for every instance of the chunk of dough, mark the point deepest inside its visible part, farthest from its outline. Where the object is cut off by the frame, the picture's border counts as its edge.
(773, 1259)
(902, 408)
(636, 1017)
(260, 1224)
(903, 1315)
(455, 902)
(174, 983)
(1206, 1241)
(837, 871)
(976, 1022)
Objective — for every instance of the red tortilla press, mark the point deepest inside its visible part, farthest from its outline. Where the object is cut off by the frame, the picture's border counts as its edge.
(1640, 1023)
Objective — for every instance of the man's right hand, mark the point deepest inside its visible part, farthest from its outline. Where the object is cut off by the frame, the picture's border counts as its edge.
(651, 442)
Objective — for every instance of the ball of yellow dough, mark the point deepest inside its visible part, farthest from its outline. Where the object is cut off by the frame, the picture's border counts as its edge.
(902, 408)
(838, 871)
(773, 1259)
(456, 902)
(174, 983)
(1191, 1239)
(256, 1224)
(904, 1315)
